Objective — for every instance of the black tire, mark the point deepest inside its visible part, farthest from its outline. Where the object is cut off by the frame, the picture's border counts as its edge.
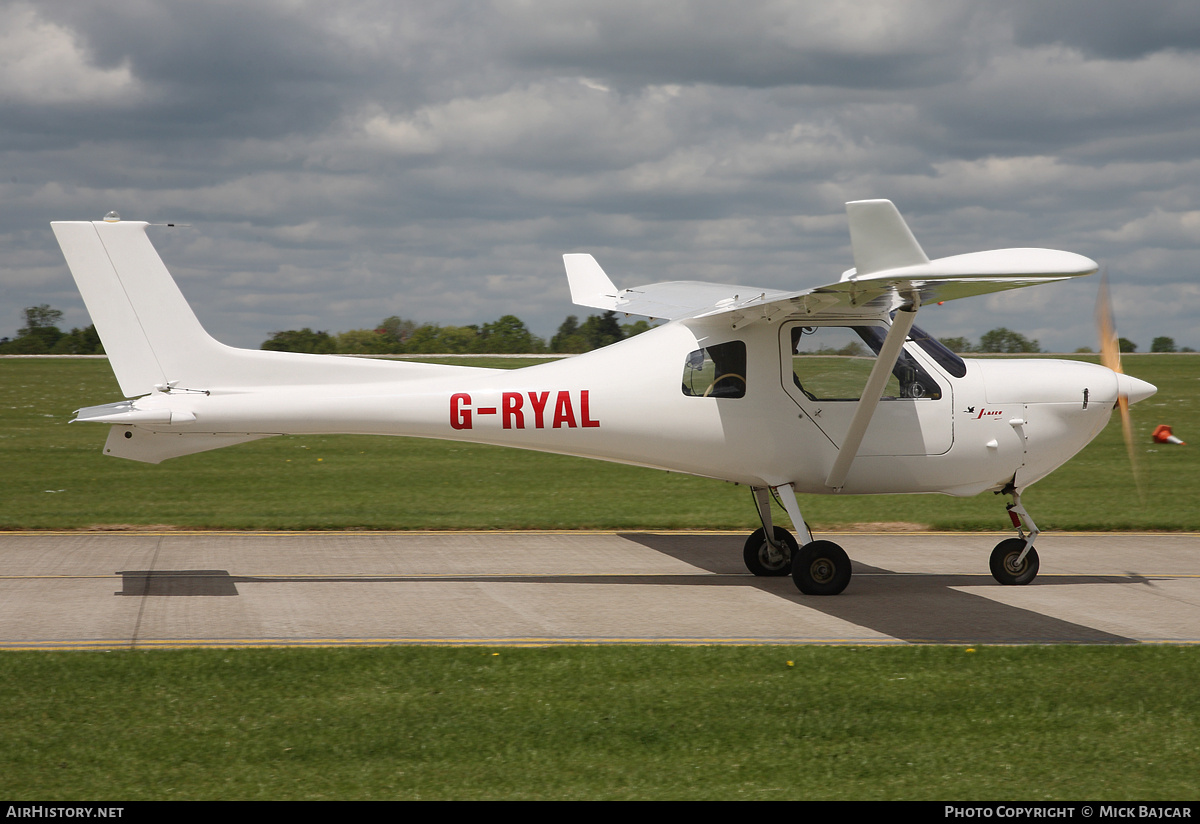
(758, 553)
(1004, 567)
(821, 568)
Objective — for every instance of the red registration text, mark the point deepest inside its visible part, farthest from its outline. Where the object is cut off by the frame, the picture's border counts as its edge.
(527, 410)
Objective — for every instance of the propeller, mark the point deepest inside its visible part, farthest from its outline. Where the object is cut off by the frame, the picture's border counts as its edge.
(1110, 356)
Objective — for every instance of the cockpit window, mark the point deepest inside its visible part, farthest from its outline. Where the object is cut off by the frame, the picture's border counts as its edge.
(716, 371)
(937, 350)
(832, 363)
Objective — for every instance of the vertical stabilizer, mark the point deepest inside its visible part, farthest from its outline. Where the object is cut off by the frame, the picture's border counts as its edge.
(141, 316)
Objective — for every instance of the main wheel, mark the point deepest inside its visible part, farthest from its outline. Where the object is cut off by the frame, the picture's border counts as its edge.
(1005, 568)
(821, 568)
(765, 560)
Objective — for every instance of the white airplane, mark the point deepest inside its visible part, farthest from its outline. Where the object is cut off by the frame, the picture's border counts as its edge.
(737, 385)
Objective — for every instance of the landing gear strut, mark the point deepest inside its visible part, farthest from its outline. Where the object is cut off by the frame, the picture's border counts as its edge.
(1014, 561)
(768, 551)
(816, 567)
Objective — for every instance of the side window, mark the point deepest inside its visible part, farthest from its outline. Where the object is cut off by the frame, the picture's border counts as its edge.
(831, 363)
(716, 371)
(944, 358)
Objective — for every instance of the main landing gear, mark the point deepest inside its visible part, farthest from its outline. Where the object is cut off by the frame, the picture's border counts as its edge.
(1014, 561)
(816, 567)
(768, 559)
(821, 568)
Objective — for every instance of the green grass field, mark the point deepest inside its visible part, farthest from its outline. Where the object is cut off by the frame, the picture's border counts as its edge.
(55, 476)
(940, 723)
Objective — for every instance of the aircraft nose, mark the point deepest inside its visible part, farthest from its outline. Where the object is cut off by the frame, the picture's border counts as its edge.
(1135, 388)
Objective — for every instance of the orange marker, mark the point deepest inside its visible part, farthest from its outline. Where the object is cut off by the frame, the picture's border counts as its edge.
(1162, 434)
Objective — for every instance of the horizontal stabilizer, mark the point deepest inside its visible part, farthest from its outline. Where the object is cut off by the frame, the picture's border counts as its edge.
(128, 412)
(124, 412)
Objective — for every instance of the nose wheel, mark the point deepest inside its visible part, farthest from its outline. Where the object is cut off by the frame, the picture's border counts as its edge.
(1012, 565)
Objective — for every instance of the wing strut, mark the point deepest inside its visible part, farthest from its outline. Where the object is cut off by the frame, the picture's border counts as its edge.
(889, 353)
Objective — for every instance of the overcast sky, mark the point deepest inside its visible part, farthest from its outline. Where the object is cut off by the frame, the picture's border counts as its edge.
(343, 162)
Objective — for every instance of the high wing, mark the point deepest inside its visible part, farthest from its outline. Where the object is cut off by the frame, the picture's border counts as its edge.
(891, 270)
(891, 274)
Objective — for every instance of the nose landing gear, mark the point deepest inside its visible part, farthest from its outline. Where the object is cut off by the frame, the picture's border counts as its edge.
(1014, 561)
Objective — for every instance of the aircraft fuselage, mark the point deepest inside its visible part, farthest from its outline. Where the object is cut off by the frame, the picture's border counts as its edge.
(624, 403)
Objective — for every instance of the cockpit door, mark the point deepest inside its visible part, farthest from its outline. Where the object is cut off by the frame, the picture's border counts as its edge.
(824, 368)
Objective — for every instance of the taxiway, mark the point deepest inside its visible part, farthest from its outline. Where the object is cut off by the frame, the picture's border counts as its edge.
(176, 589)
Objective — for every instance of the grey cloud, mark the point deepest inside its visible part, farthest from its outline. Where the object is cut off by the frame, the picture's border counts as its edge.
(343, 162)
(856, 45)
(1110, 30)
(1051, 100)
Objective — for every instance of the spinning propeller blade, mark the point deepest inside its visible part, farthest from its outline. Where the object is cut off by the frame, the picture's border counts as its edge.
(1110, 356)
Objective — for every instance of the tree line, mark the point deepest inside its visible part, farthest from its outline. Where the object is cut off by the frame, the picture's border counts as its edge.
(41, 336)
(1006, 341)
(506, 336)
